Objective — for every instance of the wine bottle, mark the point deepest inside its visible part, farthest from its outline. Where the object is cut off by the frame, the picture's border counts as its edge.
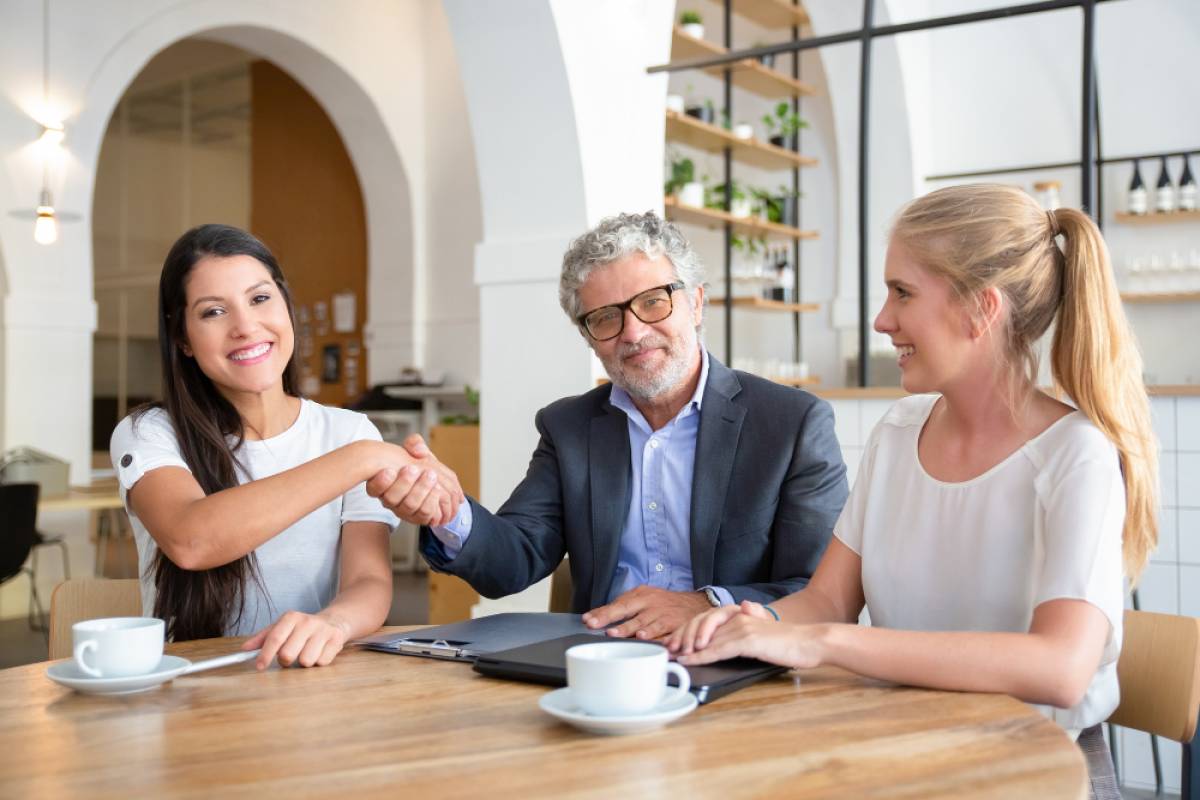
(1187, 188)
(1137, 191)
(1164, 193)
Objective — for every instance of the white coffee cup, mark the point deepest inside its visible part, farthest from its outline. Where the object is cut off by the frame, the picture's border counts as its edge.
(611, 679)
(118, 647)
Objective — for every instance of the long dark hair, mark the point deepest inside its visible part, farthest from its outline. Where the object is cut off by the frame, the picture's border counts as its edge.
(197, 604)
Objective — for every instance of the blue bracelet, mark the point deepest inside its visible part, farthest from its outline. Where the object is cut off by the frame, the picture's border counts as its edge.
(774, 613)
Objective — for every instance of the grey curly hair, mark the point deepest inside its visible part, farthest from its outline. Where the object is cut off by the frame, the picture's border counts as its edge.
(616, 238)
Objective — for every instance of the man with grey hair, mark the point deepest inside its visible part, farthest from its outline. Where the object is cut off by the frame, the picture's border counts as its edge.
(680, 486)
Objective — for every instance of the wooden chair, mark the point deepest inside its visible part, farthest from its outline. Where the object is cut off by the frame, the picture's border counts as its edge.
(88, 598)
(1159, 675)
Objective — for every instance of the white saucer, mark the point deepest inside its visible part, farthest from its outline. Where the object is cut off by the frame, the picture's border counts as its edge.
(560, 704)
(70, 675)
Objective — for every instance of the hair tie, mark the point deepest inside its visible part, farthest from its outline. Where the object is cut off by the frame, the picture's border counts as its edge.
(1055, 231)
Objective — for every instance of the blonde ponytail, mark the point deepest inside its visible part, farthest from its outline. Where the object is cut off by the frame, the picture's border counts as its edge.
(989, 235)
(1095, 361)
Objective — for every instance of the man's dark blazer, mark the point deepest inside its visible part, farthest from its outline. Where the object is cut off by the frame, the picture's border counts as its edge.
(768, 485)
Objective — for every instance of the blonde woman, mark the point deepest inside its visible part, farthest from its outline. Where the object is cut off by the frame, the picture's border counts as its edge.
(991, 524)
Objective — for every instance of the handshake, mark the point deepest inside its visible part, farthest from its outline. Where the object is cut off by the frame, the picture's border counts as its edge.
(413, 484)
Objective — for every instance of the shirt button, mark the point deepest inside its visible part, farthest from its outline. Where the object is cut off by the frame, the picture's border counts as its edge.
(659, 567)
(126, 460)
(653, 506)
(654, 443)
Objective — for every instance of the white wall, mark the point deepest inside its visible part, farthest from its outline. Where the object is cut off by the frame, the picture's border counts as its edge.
(543, 182)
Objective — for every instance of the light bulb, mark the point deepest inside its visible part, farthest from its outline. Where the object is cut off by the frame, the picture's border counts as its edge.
(45, 230)
(52, 135)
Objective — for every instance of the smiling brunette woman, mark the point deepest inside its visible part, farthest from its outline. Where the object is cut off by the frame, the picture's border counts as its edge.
(991, 525)
(247, 502)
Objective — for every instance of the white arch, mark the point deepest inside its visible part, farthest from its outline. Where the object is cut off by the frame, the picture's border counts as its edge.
(49, 301)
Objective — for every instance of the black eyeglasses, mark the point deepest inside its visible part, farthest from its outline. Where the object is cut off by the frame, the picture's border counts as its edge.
(652, 305)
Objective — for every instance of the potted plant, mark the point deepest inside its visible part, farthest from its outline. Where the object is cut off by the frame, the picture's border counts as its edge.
(783, 125)
(692, 24)
(778, 206)
(704, 112)
(740, 204)
(683, 184)
(767, 60)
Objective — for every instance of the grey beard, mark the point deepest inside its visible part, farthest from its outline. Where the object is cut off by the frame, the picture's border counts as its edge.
(650, 387)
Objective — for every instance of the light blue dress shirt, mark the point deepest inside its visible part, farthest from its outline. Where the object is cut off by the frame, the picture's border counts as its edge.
(655, 545)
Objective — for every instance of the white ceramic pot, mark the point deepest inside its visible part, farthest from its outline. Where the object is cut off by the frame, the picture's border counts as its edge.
(694, 29)
(675, 103)
(743, 130)
(692, 194)
(741, 208)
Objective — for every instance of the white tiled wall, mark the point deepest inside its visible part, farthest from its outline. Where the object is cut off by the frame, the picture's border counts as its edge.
(1171, 582)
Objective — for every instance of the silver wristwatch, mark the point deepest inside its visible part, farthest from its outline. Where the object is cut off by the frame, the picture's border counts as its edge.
(710, 594)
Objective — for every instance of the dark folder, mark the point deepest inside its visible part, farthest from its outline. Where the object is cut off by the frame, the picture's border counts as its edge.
(546, 662)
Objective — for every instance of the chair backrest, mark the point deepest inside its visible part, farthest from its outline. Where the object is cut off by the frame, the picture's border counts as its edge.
(18, 520)
(88, 598)
(560, 588)
(1159, 674)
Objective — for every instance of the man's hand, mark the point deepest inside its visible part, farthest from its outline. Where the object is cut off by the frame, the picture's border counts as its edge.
(648, 613)
(426, 492)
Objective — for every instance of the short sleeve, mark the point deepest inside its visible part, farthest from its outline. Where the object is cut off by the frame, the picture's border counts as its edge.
(1084, 515)
(141, 444)
(357, 505)
(849, 526)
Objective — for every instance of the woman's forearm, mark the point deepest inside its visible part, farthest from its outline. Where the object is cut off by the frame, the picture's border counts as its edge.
(361, 607)
(207, 531)
(1032, 667)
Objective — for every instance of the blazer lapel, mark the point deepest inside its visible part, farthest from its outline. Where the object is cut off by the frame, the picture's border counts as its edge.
(608, 474)
(716, 445)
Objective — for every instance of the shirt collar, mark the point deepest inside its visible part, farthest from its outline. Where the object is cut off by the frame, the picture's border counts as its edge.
(621, 399)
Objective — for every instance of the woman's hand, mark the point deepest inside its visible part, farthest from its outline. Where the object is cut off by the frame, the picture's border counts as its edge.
(310, 640)
(415, 486)
(747, 630)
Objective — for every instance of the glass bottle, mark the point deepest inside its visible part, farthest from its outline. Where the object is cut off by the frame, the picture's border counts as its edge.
(1137, 192)
(1187, 187)
(1164, 193)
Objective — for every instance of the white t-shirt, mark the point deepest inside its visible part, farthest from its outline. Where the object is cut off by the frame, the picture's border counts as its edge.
(981, 555)
(300, 565)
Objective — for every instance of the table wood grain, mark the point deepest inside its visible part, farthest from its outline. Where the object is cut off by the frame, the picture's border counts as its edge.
(378, 725)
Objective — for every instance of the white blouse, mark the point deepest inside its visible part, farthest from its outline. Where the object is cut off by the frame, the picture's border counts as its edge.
(981, 555)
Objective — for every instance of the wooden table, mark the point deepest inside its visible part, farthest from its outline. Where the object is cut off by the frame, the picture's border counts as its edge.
(391, 726)
(105, 500)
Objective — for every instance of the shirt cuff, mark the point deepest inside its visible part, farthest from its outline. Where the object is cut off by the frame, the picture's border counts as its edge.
(722, 594)
(453, 535)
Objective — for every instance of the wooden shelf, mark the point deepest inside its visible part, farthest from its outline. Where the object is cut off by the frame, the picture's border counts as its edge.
(690, 131)
(1160, 297)
(748, 73)
(811, 380)
(751, 226)
(763, 304)
(1154, 218)
(771, 13)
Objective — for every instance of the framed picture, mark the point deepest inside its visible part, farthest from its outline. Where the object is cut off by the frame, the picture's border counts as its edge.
(331, 363)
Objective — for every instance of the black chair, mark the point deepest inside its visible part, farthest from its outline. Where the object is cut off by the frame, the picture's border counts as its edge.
(20, 540)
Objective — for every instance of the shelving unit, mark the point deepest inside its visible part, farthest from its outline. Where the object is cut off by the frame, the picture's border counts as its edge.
(688, 130)
(762, 304)
(750, 75)
(1160, 297)
(748, 226)
(812, 380)
(772, 13)
(1156, 219)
